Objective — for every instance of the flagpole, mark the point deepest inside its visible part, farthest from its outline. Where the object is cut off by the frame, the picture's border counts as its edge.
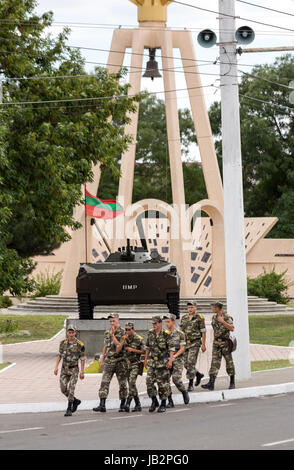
(86, 230)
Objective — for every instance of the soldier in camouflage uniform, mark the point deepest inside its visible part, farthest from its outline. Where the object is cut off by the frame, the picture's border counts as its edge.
(134, 347)
(70, 350)
(222, 324)
(193, 325)
(178, 342)
(158, 353)
(113, 362)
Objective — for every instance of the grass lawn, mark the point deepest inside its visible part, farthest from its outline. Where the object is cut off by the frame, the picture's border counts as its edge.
(40, 326)
(4, 365)
(277, 330)
(263, 365)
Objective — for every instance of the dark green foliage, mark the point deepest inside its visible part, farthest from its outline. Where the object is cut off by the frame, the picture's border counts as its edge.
(271, 285)
(5, 301)
(152, 172)
(267, 133)
(8, 326)
(47, 150)
(47, 284)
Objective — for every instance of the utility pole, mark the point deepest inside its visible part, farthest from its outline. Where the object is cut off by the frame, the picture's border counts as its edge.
(236, 279)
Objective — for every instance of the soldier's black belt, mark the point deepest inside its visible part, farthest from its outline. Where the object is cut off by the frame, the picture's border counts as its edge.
(115, 358)
(70, 367)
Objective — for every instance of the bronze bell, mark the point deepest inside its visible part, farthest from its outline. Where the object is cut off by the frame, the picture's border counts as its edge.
(152, 66)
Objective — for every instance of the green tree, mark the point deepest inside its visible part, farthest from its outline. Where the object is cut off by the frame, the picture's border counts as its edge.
(47, 150)
(152, 171)
(267, 133)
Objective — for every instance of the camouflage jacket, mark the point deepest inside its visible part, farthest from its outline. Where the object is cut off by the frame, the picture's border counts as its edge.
(220, 331)
(136, 342)
(159, 347)
(193, 329)
(177, 339)
(111, 346)
(71, 352)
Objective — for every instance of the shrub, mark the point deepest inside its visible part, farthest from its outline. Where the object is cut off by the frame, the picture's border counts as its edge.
(8, 326)
(271, 285)
(5, 301)
(47, 284)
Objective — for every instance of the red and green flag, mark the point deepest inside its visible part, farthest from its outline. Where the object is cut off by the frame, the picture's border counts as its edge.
(101, 208)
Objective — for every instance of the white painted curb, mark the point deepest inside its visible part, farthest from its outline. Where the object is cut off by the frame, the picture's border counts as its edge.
(260, 391)
(113, 404)
(7, 367)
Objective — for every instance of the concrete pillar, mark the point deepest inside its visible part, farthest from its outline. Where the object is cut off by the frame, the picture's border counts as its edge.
(128, 158)
(181, 254)
(205, 141)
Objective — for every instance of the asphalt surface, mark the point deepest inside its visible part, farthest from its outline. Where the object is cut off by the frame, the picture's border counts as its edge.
(264, 423)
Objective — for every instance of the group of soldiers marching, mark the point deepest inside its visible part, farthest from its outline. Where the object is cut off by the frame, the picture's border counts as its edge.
(166, 353)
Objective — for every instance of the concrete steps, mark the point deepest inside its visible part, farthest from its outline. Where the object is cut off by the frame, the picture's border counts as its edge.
(53, 304)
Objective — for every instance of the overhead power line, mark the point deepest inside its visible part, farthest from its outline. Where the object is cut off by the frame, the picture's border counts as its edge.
(100, 98)
(230, 16)
(89, 105)
(266, 8)
(118, 26)
(132, 53)
(140, 69)
(115, 97)
(265, 79)
(270, 103)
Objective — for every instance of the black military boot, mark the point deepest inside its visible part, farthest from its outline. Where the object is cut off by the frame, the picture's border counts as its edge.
(232, 382)
(199, 376)
(101, 406)
(68, 411)
(122, 405)
(190, 386)
(154, 404)
(162, 407)
(138, 406)
(210, 384)
(186, 397)
(75, 404)
(127, 405)
(170, 402)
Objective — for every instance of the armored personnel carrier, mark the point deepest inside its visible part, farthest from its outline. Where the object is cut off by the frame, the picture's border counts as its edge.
(128, 276)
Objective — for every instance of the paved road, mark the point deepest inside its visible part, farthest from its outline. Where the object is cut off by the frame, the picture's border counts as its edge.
(259, 423)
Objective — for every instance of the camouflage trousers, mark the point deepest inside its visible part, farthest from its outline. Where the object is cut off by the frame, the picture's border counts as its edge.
(190, 359)
(68, 380)
(219, 350)
(161, 376)
(119, 368)
(133, 370)
(177, 372)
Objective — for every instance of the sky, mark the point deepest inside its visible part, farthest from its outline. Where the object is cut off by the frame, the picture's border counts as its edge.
(103, 16)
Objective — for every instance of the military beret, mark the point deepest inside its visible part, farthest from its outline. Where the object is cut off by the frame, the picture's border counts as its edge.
(129, 325)
(193, 302)
(157, 319)
(113, 315)
(171, 316)
(71, 327)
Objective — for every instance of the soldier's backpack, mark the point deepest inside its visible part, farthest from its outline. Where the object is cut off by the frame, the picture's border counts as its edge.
(232, 341)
